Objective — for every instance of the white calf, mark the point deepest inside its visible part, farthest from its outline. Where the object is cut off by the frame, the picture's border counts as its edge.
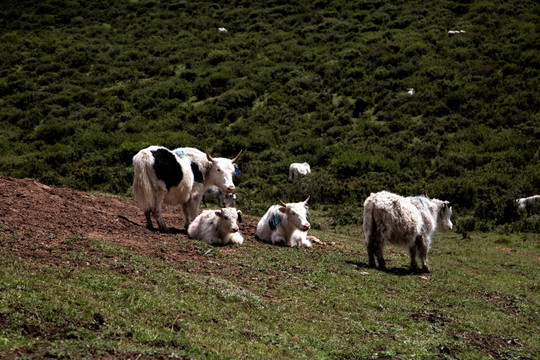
(409, 222)
(217, 227)
(285, 224)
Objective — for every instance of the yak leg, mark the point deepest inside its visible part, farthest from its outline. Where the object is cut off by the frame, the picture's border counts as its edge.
(277, 238)
(147, 214)
(159, 218)
(422, 251)
(380, 258)
(375, 249)
(412, 255)
(371, 253)
(186, 214)
(159, 197)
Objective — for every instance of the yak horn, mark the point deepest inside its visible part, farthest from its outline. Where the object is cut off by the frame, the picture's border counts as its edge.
(282, 203)
(237, 156)
(208, 156)
(305, 201)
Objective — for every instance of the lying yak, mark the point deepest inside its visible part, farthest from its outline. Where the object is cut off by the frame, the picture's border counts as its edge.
(285, 224)
(217, 227)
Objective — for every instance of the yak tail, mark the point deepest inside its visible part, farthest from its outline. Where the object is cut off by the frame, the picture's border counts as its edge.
(370, 227)
(142, 184)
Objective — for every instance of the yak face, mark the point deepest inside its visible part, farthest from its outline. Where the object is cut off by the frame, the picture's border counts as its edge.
(228, 220)
(445, 212)
(297, 214)
(221, 173)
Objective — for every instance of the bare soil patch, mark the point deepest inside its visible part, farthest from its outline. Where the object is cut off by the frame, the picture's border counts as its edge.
(38, 223)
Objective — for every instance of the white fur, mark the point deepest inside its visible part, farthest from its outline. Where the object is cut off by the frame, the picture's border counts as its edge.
(292, 228)
(216, 172)
(297, 169)
(408, 222)
(151, 193)
(218, 227)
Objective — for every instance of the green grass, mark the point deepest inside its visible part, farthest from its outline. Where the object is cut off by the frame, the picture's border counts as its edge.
(263, 302)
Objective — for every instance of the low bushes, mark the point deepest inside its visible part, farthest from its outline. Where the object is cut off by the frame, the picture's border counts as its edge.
(80, 95)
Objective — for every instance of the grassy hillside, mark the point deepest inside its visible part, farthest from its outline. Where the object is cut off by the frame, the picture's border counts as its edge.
(81, 277)
(257, 301)
(84, 85)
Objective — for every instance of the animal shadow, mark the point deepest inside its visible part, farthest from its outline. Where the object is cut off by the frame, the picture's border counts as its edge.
(172, 230)
(399, 271)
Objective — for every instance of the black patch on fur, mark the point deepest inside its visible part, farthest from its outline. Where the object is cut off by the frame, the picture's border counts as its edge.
(167, 168)
(197, 174)
(275, 222)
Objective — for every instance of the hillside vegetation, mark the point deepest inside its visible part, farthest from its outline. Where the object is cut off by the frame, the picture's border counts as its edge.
(84, 85)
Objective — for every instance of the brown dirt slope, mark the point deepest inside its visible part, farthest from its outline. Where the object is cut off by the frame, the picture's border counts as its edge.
(36, 220)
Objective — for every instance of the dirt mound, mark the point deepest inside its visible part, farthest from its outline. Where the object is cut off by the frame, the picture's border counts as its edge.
(39, 222)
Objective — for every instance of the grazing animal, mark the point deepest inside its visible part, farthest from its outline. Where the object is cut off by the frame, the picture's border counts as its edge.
(528, 203)
(297, 170)
(285, 224)
(405, 221)
(218, 227)
(224, 200)
(160, 178)
(208, 171)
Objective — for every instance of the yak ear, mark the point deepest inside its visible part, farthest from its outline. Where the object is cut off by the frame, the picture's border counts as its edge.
(283, 209)
(239, 216)
(218, 213)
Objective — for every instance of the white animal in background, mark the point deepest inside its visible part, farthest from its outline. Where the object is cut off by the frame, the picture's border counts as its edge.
(405, 221)
(298, 169)
(524, 204)
(285, 224)
(224, 200)
(208, 171)
(455, 32)
(161, 177)
(217, 227)
(222, 29)
(410, 91)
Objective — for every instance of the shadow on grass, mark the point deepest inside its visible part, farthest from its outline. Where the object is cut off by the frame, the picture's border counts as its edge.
(400, 271)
